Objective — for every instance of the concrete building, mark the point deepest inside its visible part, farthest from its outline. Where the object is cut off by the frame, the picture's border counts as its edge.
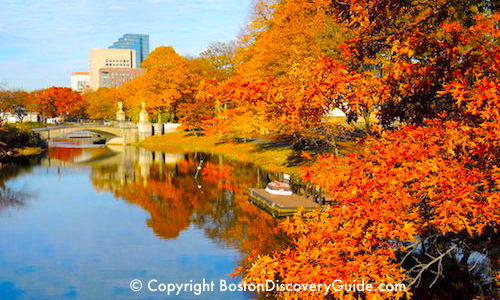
(116, 77)
(80, 81)
(138, 42)
(109, 58)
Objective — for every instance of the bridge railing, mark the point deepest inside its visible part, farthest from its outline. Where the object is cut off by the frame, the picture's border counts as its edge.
(114, 124)
(52, 127)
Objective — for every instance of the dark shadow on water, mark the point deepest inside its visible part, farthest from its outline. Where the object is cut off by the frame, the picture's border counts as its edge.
(15, 167)
(11, 198)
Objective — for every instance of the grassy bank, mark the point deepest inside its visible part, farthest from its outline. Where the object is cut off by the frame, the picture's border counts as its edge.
(263, 154)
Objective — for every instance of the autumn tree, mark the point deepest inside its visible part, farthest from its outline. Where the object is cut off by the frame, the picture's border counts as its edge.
(280, 34)
(286, 44)
(361, 57)
(394, 61)
(221, 59)
(16, 101)
(407, 45)
(58, 102)
(167, 82)
(200, 111)
(419, 201)
(240, 107)
(328, 83)
(102, 103)
(274, 88)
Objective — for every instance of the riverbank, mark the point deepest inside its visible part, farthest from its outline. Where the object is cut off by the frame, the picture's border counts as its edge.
(16, 142)
(268, 155)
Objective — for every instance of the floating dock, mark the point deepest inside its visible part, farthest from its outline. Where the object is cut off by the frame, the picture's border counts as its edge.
(280, 205)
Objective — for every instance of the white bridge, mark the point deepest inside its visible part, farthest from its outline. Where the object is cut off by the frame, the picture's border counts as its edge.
(115, 133)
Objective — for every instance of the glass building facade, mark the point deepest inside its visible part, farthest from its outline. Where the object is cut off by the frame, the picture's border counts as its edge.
(138, 42)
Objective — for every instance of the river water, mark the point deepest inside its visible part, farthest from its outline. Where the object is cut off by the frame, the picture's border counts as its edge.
(81, 223)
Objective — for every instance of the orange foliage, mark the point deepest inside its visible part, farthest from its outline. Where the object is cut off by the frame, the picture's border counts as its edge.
(102, 103)
(58, 101)
(64, 154)
(169, 80)
(434, 184)
(199, 112)
(432, 64)
(414, 181)
(10, 100)
(281, 34)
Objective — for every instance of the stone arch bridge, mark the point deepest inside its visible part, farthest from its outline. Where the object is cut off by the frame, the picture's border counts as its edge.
(115, 133)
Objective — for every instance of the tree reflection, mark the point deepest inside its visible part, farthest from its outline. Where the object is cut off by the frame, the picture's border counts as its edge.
(11, 197)
(64, 153)
(78, 155)
(176, 196)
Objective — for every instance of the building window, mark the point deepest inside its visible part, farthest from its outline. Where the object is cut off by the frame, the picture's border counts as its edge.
(105, 79)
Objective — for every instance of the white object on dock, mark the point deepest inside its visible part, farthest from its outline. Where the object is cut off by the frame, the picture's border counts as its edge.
(278, 188)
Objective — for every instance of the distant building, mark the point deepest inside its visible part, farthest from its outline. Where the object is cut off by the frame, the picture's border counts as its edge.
(138, 42)
(80, 81)
(11, 117)
(32, 117)
(116, 77)
(109, 58)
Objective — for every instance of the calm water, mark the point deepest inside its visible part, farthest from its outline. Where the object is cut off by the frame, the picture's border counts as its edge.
(82, 223)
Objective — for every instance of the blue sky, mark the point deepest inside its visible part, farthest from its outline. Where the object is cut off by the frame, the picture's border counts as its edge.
(43, 41)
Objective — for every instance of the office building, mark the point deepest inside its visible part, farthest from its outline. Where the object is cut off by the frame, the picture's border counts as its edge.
(80, 81)
(109, 58)
(138, 42)
(116, 77)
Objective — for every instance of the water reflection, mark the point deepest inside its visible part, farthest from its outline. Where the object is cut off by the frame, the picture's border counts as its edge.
(10, 198)
(103, 216)
(178, 190)
(81, 138)
(14, 197)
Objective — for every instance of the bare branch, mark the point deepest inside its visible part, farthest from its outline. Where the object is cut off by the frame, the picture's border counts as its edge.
(424, 267)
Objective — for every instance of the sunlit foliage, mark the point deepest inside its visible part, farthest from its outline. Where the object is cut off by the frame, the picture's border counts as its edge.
(58, 102)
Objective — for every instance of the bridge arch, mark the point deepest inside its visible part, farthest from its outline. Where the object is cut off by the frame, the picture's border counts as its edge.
(124, 132)
(116, 135)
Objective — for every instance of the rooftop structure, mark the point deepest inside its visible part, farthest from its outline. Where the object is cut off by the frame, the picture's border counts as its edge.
(138, 42)
(80, 81)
